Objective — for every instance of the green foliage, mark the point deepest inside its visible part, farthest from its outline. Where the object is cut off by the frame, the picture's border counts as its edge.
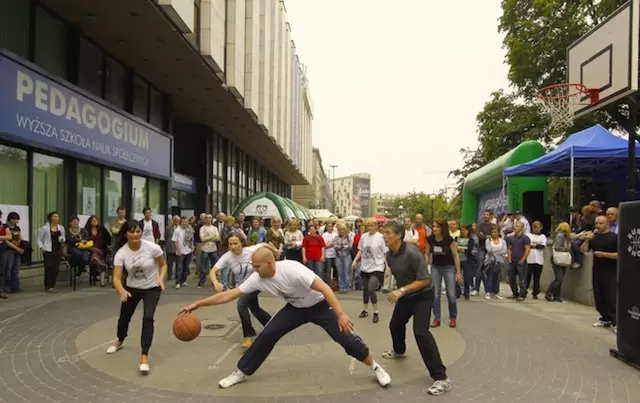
(421, 203)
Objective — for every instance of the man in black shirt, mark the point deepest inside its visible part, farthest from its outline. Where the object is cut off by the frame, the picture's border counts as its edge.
(414, 297)
(604, 245)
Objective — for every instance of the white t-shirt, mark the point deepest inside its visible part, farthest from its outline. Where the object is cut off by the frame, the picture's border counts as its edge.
(292, 282)
(536, 256)
(208, 231)
(141, 266)
(329, 237)
(183, 240)
(373, 250)
(240, 265)
(147, 231)
(411, 235)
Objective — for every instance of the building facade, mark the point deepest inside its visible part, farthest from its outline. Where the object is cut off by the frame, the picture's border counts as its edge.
(351, 195)
(316, 195)
(180, 105)
(382, 203)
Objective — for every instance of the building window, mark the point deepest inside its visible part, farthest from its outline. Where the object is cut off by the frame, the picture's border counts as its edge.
(13, 176)
(155, 108)
(138, 196)
(50, 43)
(89, 195)
(141, 99)
(14, 26)
(90, 68)
(113, 192)
(115, 83)
(156, 190)
(48, 194)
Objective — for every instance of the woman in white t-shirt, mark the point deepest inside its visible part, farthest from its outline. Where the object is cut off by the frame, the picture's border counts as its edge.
(329, 236)
(535, 260)
(238, 262)
(371, 250)
(146, 269)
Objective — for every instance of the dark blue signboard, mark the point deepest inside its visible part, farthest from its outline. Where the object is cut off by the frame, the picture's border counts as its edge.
(45, 113)
(184, 183)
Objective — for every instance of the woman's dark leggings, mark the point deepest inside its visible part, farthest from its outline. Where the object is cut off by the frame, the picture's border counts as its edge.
(370, 284)
(150, 299)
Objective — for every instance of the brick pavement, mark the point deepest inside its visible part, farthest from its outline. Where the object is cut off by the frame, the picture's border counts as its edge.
(52, 350)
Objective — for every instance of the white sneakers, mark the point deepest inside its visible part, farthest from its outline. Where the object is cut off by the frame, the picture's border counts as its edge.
(144, 368)
(237, 376)
(439, 387)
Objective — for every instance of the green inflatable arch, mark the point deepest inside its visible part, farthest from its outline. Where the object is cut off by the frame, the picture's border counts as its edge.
(266, 205)
(488, 180)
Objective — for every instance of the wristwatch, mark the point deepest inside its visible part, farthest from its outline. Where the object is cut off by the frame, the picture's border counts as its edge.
(402, 290)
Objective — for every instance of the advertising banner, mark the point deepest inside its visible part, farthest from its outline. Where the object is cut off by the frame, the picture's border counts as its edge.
(361, 193)
(493, 200)
(49, 114)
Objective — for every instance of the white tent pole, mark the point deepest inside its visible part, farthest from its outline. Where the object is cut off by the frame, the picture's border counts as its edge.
(571, 179)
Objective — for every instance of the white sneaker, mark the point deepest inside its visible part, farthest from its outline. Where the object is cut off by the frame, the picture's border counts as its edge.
(487, 296)
(474, 293)
(391, 355)
(177, 286)
(601, 323)
(114, 348)
(499, 296)
(185, 284)
(144, 369)
(235, 378)
(383, 377)
(439, 387)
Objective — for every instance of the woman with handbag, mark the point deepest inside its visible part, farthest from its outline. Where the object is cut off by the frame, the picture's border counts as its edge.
(560, 260)
(79, 246)
(493, 261)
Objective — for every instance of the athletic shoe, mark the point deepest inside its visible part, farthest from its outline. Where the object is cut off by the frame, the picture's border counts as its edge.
(235, 378)
(247, 342)
(440, 387)
(382, 376)
(114, 348)
(392, 355)
(144, 369)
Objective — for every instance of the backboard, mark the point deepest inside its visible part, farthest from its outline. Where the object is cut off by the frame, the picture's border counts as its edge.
(607, 57)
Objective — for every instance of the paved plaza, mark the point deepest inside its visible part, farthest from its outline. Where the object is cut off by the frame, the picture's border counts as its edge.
(52, 350)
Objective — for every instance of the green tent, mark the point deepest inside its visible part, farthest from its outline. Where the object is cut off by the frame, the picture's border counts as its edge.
(265, 205)
(483, 187)
(304, 213)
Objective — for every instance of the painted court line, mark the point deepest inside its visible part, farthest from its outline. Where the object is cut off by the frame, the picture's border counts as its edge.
(228, 351)
(75, 357)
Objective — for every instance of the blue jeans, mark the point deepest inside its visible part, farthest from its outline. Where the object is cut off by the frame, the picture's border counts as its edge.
(480, 272)
(11, 266)
(316, 266)
(207, 261)
(344, 272)
(517, 270)
(449, 275)
(492, 282)
(182, 268)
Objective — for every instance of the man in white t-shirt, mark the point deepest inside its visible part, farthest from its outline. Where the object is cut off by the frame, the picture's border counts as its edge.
(209, 236)
(183, 241)
(309, 300)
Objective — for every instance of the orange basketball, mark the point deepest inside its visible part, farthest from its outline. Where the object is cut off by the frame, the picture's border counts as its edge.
(187, 327)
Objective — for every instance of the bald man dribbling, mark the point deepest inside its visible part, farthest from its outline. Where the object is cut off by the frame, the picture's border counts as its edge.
(309, 300)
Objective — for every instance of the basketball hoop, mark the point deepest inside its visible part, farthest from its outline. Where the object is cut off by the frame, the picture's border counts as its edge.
(560, 101)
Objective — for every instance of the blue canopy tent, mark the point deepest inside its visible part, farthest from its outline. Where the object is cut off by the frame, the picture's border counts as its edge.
(593, 152)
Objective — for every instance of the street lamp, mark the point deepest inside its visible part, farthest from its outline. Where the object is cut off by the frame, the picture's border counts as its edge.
(432, 197)
(401, 208)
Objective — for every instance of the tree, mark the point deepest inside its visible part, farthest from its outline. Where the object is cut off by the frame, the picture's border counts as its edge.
(421, 203)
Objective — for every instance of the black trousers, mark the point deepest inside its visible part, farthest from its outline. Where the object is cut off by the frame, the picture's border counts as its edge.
(419, 307)
(51, 268)
(288, 319)
(604, 293)
(150, 299)
(249, 302)
(534, 271)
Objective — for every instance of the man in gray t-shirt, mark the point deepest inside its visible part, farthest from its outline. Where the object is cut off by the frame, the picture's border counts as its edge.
(413, 298)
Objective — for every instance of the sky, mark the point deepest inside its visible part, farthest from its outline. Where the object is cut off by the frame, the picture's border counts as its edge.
(396, 89)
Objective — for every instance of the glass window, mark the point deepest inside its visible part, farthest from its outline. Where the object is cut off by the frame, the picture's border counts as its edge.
(90, 68)
(141, 99)
(48, 194)
(14, 26)
(187, 201)
(50, 43)
(89, 196)
(113, 193)
(156, 190)
(115, 83)
(138, 195)
(155, 108)
(13, 176)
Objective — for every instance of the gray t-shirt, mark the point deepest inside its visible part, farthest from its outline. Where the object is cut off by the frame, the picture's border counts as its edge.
(141, 266)
(408, 265)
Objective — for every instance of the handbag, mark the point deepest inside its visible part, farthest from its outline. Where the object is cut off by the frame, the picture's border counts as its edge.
(562, 258)
(84, 245)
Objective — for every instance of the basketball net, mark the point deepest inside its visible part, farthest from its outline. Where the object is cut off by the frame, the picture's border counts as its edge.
(561, 101)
